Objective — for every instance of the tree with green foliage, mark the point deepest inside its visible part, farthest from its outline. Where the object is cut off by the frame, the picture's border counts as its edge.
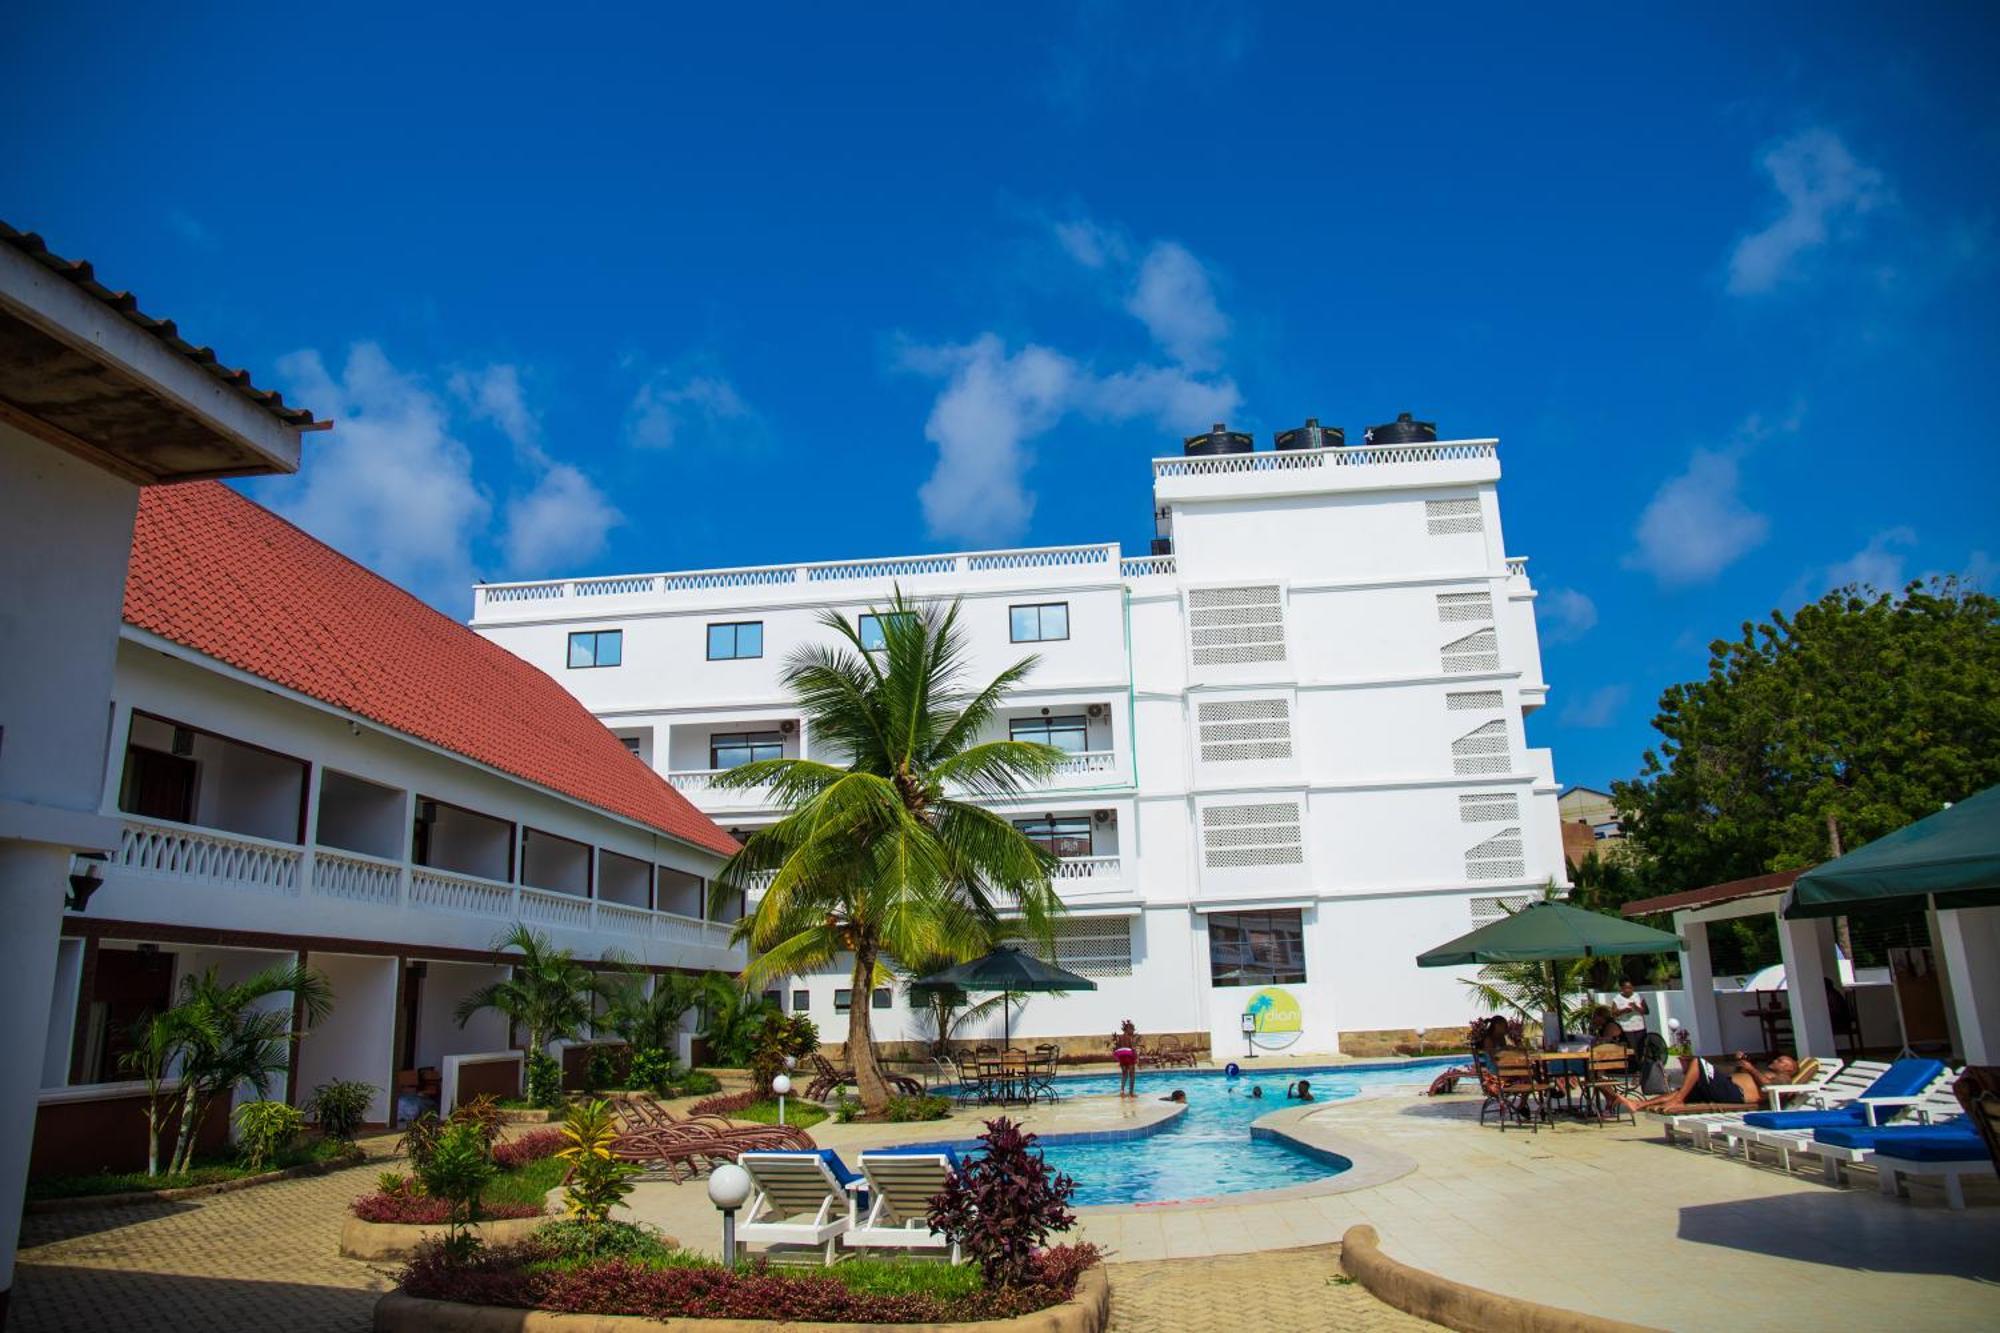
(1817, 732)
(888, 854)
(731, 1018)
(546, 992)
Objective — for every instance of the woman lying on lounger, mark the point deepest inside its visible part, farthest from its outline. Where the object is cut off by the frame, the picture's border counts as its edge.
(1703, 1085)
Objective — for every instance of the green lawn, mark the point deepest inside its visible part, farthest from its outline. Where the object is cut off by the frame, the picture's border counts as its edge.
(526, 1184)
(207, 1171)
(798, 1111)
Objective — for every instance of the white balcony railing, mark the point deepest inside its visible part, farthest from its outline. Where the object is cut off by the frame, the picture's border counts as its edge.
(700, 784)
(180, 851)
(1086, 558)
(1298, 460)
(1145, 566)
(1081, 762)
(1517, 566)
(157, 850)
(1088, 867)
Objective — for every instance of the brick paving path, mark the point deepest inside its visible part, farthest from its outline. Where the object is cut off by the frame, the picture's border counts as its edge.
(1291, 1290)
(261, 1258)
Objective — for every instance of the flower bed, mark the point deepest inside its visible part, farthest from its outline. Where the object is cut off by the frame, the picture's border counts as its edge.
(512, 1154)
(49, 1193)
(529, 1170)
(674, 1284)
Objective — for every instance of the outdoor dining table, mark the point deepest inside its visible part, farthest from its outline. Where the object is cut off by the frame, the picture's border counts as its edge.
(1551, 1066)
(1008, 1079)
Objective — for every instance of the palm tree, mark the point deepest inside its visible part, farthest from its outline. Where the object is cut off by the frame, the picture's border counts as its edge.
(881, 858)
(227, 1035)
(548, 992)
(731, 1018)
(652, 1021)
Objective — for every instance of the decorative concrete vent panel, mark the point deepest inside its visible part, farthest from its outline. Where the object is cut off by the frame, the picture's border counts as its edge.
(1241, 729)
(1235, 626)
(1484, 750)
(1094, 946)
(1478, 651)
(1499, 857)
(1238, 836)
(1445, 517)
(1488, 807)
(1473, 701)
(1455, 606)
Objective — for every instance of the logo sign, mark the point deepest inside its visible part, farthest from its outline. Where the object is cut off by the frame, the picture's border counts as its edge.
(1278, 1017)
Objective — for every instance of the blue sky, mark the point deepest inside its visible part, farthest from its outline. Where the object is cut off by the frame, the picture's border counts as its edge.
(626, 290)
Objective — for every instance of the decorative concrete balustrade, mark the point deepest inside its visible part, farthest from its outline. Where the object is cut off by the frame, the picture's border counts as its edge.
(157, 850)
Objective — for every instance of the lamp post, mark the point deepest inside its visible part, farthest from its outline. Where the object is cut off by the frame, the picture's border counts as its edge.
(728, 1187)
(781, 1085)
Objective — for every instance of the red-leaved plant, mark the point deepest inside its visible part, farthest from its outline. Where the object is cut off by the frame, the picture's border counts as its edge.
(424, 1210)
(727, 1104)
(530, 1147)
(1001, 1206)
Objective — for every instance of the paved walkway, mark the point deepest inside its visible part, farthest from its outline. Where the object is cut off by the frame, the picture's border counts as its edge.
(260, 1258)
(1298, 1291)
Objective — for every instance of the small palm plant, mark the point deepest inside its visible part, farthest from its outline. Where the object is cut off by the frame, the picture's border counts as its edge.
(650, 1021)
(888, 854)
(597, 1179)
(549, 994)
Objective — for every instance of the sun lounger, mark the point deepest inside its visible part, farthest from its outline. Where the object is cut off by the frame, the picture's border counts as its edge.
(1832, 1081)
(1934, 1154)
(1805, 1132)
(796, 1198)
(1898, 1086)
(901, 1184)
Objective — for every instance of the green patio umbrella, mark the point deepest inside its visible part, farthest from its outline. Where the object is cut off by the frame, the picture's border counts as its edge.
(1549, 932)
(1004, 969)
(1952, 857)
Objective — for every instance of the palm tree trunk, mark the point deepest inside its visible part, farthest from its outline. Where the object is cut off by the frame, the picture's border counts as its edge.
(868, 1080)
(153, 1135)
(192, 1110)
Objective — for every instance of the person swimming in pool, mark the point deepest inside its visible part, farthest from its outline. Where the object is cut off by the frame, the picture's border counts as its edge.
(1302, 1091)
(1175, 1096)
(1257, 1090)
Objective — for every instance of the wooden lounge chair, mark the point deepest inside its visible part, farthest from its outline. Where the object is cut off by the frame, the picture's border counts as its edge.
(1608, 1079)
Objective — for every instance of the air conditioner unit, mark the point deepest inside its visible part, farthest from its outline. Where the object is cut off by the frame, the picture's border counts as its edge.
(1096, 710)
(788, 726)
(1105, 816)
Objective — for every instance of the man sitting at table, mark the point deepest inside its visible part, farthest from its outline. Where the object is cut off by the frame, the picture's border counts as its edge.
(1703, 1085)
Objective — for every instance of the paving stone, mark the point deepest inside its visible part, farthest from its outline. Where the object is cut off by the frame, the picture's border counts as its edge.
(1291, 1290)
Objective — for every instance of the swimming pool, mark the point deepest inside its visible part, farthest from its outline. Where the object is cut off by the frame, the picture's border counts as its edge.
(1209, 1150)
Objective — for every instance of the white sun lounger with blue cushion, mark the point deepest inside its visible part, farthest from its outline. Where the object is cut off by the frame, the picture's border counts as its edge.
(901, 1184)
(796, 1198)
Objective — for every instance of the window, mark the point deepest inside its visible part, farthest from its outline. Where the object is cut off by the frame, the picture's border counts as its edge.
(870, 628)
(1068, 734)
(843, 1000)
(1039, 623)
(728, 749)
(632, 744)
(736, 640)
(1256, 949)
(882, 998)
(596, 648)
(773, 998)
(1066, 836)
(801, 1001)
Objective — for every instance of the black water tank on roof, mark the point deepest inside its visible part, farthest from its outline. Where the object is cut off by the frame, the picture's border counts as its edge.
(1402, 430)
(1312, 435)
(1219, 440)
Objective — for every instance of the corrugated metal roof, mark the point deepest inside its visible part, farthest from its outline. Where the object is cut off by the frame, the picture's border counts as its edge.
(80, 274)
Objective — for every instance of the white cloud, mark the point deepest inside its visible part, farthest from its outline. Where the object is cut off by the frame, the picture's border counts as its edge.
(1595, 710)
(190, 229)
(691, 409)
(1173, 298)
(1696, 525)
(1823, 189)
(1091, 244)
(995, 403)
(1878, 565)
(494, 395)
(1566, 614)
(565, 519)
(391, 485)
(394, 485)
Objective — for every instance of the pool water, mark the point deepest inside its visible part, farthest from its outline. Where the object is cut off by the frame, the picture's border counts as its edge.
(1208, 1150)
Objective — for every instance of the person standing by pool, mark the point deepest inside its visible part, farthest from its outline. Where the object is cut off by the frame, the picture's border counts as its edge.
(1125, 1050)
(1630, 1011)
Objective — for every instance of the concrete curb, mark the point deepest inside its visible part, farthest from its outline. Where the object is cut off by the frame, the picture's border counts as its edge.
(85, 1202)
(1088, 1311)
(1454, 1304)
(399, 1240)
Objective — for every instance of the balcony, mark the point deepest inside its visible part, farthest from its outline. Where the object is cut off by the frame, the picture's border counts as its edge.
(698, 785)
(1095, 870)
(309, 882)
(1340, 468)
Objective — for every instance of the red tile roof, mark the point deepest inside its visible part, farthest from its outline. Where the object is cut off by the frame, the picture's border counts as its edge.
(226, 577)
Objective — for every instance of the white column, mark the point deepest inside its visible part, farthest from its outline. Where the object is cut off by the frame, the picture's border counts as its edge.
(1969, 940)
(34, 877)
(1807, 947)
(1704, 1021)
(1934, 933)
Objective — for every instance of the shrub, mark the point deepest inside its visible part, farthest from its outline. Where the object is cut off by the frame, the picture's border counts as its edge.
(782, 1037)
(605, 1068)
(265, 1130)
(597, 1180)
(340, 1108)
(651, 1069)
(697, 1083)
(569, 1240)
(422, 1211)
(458, 1168)
(530, 1147)
(726, 1105)
(544, 1081)
(921, 1107)
(393, 1182)
(1003, 1204)
(484, 1114)
(845, 1108)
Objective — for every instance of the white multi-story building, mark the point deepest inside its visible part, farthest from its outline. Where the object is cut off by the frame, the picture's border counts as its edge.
(1297, 756)
(307, 764)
